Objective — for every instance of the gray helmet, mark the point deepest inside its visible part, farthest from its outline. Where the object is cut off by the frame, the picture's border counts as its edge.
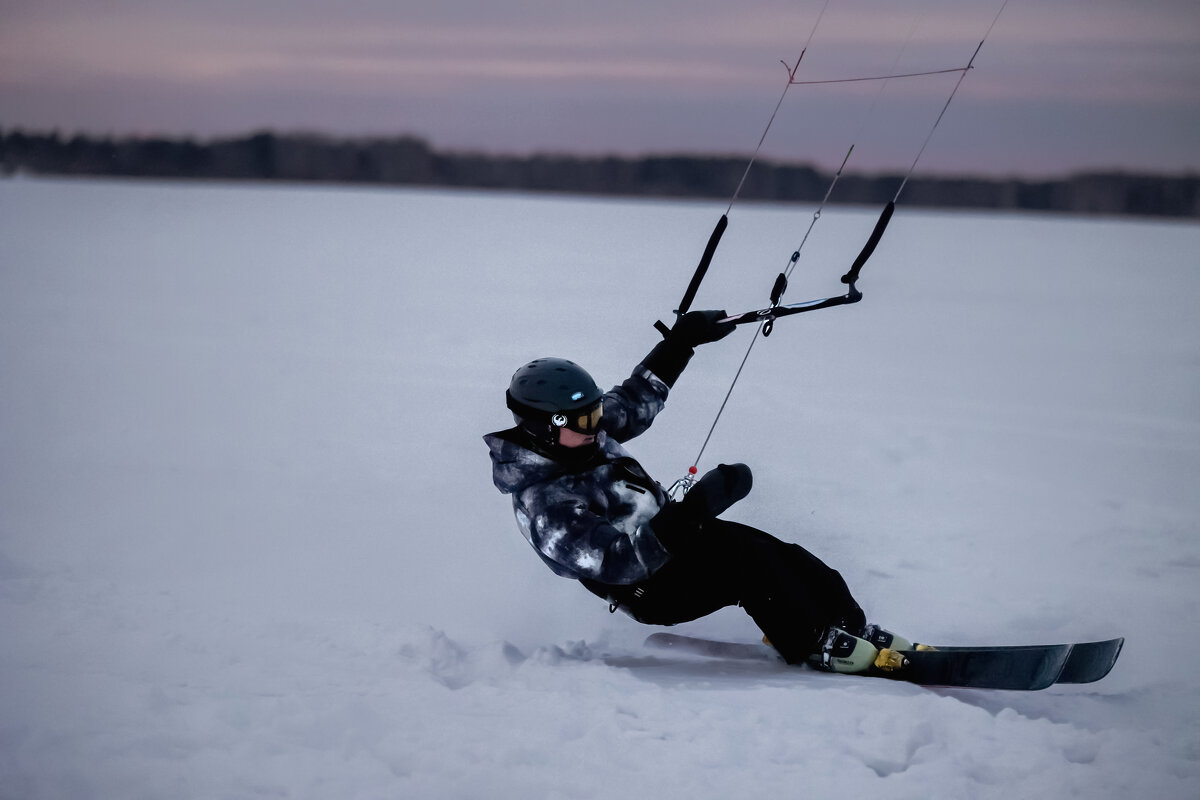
(552, 393)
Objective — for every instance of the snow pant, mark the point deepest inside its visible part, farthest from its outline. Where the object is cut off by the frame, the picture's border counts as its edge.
(789, 593)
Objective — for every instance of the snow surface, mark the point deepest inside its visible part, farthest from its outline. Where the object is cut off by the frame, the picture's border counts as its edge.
(249, 545)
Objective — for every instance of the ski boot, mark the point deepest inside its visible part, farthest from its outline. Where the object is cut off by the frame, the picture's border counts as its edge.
(885, 639)
(841, 651)
(890, 646)
(874, 648)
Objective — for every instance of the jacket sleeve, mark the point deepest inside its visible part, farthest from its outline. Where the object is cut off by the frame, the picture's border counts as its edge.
(630, 407)
(579, 543)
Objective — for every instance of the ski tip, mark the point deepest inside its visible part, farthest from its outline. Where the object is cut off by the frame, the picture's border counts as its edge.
(1091, 661)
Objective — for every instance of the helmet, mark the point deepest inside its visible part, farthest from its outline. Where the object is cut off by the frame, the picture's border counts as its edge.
(552, 393)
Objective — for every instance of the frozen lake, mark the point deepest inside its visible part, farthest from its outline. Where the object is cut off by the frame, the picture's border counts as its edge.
(250, 547)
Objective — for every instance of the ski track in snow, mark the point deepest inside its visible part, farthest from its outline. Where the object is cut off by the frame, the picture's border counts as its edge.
(249, 546)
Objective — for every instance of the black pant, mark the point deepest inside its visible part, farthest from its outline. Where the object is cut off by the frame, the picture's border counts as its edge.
(788, 592)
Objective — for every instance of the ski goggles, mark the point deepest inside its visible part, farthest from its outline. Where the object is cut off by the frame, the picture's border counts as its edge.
(585, 421)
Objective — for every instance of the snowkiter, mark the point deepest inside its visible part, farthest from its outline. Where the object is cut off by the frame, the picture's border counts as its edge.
(593, 514)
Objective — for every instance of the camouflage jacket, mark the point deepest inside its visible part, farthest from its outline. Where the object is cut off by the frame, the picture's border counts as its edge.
(587, 520)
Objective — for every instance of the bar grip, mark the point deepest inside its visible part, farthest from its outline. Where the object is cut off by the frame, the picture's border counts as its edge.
(869, 248)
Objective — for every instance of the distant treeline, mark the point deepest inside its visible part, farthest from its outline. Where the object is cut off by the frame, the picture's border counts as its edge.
(410, 161)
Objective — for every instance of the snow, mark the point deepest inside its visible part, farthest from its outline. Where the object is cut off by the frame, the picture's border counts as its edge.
(249, 545)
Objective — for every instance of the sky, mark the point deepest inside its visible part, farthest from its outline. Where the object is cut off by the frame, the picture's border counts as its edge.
(1057, 87)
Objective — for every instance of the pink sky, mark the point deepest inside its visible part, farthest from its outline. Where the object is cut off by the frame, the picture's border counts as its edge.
(1061, 86)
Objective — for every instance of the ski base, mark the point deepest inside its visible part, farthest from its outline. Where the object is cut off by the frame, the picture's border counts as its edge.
(1019, 668)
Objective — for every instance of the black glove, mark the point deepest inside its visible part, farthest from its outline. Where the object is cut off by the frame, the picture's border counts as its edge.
(669, 357)
(700, 327)
(679, 525)
(719, 489)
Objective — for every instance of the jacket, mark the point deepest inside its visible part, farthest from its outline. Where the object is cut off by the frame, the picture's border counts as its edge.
(587, 520)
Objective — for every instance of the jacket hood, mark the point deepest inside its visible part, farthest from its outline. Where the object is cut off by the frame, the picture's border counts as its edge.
(515, 466)
(519, 462)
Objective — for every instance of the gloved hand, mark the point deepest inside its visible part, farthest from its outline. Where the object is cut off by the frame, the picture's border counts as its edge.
(700, 327)
(669, 357)
(678, 525)
(719, 489)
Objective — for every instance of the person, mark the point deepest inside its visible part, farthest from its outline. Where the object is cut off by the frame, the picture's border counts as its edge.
(594, 515)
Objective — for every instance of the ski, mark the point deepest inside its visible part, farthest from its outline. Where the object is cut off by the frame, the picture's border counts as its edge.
(1091, 661)
(1087, 663)
(712, 648)
(1021, 667)
(1026, 668)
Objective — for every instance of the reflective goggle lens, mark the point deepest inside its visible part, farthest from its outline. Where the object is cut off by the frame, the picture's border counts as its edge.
(586, 421)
